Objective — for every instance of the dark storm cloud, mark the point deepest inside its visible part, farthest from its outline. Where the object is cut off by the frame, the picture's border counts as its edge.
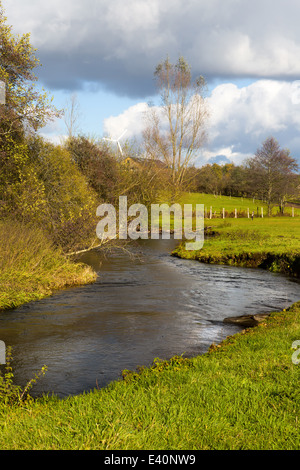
(116, 44)
(63, 72)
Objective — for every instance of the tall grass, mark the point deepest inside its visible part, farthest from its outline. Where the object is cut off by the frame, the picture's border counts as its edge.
(31, 267)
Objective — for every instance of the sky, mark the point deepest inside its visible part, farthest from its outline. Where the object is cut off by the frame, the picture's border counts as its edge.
(105, 52)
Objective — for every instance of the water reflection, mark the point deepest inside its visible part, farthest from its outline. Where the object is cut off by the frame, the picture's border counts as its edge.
(142, 307)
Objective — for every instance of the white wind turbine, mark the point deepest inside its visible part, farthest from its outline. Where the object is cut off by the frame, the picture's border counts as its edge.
(117, 141)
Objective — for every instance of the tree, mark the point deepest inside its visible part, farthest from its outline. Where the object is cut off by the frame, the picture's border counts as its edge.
(69, 211)
(97, 164)
(21, 191)
(272, 173)
(176, 131)
(208, 179)
(236, 180)
(26, 107)
(71, 115)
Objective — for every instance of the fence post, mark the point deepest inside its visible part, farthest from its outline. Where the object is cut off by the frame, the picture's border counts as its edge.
(293, 213)
(262, 212)
(210, 213)
(235, 213)
(223, 211)
(248, 213)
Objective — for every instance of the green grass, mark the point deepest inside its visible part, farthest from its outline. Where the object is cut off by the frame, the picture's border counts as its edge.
(242, 394)
(268, 242)
(31, 268)
(217, 203)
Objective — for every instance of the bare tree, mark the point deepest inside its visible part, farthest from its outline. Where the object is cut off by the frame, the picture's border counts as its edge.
(175, 132)
(272, 172)
(71, 115)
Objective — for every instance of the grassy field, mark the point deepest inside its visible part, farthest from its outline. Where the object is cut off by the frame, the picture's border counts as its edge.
(217, 203)
(271, 243)
(31, 268)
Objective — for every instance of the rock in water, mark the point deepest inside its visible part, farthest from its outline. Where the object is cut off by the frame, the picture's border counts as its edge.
(247, 320)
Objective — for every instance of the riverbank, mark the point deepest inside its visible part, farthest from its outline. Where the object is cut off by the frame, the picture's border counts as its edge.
(241, 394)
(31, 268)
(268, 243)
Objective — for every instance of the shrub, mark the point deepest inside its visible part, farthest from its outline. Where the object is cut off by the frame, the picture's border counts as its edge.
(9, 392)
(70, 212)
(97, 164)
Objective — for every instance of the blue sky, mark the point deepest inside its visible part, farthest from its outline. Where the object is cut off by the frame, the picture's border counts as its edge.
(105, 52)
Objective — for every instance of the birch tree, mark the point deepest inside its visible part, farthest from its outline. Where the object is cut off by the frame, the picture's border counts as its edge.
(72, 114)
(176, 131)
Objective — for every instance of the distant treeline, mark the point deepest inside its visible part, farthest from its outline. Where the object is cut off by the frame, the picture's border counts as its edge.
(273, 183)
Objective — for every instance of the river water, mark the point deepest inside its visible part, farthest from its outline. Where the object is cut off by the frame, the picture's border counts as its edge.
(144, 305)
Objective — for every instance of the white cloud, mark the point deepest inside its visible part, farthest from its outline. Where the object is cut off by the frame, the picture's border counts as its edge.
(223, 155)
(264, 106)
(117, 43)
(132, 119)
(241, 119)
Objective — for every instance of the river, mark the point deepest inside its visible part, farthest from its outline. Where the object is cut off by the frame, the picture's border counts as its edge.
(143, 305)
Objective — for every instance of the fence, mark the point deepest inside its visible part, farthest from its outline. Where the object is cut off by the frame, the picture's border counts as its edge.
(241, 213)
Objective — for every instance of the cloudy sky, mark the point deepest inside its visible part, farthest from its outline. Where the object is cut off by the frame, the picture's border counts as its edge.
(106, 51)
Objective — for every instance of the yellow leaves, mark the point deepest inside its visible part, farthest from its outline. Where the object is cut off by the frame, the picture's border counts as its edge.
(18, 62)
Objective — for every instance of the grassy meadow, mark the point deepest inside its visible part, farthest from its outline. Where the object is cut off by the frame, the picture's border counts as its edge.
(32, 268)
(268, 242)
(241, 204)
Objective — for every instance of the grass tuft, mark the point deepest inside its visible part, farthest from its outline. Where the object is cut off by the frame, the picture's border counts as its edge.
(32, 268)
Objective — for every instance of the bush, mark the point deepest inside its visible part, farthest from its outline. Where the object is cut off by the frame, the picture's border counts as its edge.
(97, 164)
(41, 184)
(21, 191)
(70, 212)
(9, 392)
(31, 267)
